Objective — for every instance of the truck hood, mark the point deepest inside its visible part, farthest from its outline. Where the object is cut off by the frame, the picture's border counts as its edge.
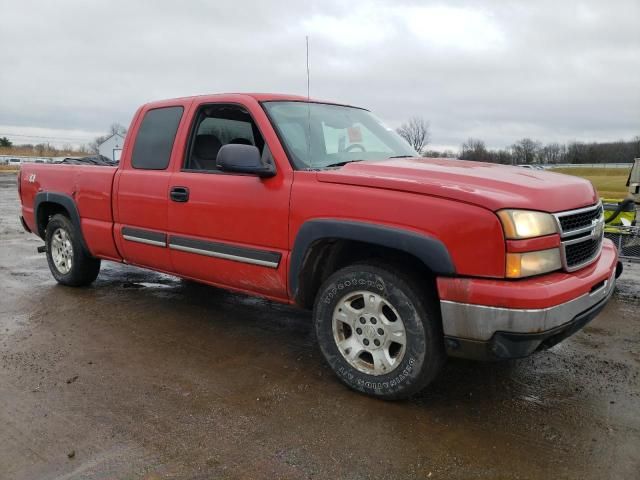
(488, 185)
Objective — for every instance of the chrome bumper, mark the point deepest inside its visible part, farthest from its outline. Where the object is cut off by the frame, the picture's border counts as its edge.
(480, 323)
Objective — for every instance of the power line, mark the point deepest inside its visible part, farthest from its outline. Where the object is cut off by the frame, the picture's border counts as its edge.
(46, 137)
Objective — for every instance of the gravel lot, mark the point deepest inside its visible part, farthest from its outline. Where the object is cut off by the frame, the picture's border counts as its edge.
(145, 376)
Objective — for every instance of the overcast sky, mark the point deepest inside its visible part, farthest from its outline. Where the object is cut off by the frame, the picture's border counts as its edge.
(495, 70)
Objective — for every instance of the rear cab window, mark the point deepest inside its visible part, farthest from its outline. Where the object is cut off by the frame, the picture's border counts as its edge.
(155, 137)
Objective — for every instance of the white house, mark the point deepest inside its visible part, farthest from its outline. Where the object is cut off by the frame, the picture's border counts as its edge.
(112, 147)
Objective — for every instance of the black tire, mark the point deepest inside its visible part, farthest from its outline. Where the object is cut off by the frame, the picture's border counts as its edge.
(424, 353)
(84, 268)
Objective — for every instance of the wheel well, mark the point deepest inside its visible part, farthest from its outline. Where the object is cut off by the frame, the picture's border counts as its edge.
(46, 210)
(326, 256)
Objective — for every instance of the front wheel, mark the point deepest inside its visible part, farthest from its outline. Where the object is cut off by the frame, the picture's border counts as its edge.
(381, 335)
(69, 262)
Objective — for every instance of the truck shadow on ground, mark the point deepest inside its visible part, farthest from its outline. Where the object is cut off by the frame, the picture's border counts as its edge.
(545, 379)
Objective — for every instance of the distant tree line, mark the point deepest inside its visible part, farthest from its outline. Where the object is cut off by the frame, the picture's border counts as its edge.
(524, 151)
(528, 151)
(43, 150)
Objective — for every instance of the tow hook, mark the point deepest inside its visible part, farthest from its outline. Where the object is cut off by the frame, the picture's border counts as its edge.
(618, 269)
(42, 249)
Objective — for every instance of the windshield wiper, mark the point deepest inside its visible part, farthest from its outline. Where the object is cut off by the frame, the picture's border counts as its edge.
(340, 164)
(401, 156)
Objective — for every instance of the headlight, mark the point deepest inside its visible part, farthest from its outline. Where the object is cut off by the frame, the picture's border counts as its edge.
(519, 224)
(532, 263)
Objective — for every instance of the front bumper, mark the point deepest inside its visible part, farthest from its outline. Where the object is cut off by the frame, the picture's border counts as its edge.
(493, 332)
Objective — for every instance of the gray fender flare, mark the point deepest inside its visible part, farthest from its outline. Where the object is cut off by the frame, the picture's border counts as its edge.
(65, 201)
(429, 250)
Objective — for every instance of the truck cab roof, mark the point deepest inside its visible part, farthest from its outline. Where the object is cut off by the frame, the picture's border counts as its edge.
(259, 97)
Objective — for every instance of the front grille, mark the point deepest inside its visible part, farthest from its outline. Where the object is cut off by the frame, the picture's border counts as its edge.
(580, 253)
(581, 232)
(582, 219)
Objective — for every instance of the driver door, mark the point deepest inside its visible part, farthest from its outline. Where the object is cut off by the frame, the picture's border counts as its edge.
(229, 229)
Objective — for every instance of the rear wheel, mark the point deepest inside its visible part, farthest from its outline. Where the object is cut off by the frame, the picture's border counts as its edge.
(379, 333)
(68, 261)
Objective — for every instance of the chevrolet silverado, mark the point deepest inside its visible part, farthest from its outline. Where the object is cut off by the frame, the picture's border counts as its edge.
(403, 260)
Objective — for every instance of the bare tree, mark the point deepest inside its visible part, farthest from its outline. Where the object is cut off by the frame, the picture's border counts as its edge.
(416, 133)
(500, 156)
(552, 153)
(474, 149)
(117, 128)
(40, 148)
(95, 144)
(635, 146)
(439, 153)
(525, 151)
(114, 128)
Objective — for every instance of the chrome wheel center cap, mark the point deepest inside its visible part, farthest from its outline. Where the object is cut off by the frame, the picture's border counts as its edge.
(369, 332)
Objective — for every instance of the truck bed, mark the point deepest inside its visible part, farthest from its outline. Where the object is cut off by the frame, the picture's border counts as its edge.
(90, 187)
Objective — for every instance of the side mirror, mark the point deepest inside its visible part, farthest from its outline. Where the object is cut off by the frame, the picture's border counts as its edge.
(239, 158)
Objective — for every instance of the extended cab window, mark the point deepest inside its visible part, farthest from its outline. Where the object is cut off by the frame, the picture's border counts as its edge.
(154, 140)
(218, 125)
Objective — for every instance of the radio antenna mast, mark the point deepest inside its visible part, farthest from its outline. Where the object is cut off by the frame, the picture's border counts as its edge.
(308, 83)
(308, 108)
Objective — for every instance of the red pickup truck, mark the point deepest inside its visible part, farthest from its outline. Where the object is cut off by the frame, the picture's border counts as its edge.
(403, 260)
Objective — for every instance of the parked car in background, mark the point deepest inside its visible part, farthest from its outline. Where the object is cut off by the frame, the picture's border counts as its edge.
(531, 166)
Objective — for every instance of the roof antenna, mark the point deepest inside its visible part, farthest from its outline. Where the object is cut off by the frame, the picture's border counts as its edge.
(308, 84)
(308, 107)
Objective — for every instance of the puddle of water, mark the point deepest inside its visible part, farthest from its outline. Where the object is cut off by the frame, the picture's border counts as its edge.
(154, 285)
(533, 399)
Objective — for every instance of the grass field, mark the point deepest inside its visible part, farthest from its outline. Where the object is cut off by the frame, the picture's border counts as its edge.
(44, 152)
(610, 182)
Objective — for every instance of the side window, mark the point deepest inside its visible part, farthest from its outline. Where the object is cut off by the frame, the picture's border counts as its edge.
(154, 140)
(218, 125)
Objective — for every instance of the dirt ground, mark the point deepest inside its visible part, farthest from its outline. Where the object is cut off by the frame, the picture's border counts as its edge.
(145, 376)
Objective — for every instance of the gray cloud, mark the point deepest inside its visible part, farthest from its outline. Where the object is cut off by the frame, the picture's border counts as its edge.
(497, 70)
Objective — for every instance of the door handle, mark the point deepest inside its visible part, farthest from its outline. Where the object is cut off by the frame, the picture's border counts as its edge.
(179, 194)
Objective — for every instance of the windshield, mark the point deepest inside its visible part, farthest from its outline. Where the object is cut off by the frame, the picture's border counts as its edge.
(319, 135)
